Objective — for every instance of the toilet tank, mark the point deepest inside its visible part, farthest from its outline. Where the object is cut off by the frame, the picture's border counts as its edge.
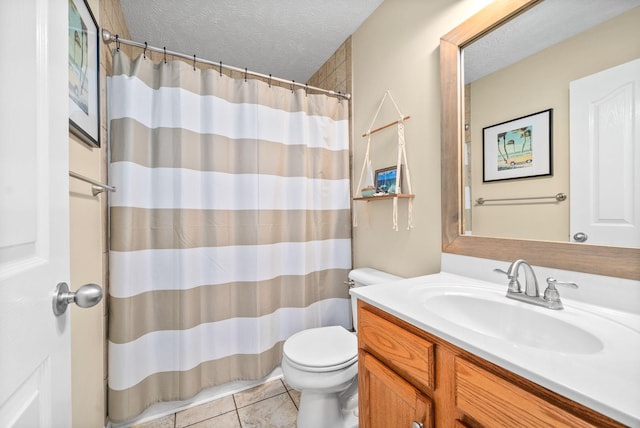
(366, 276)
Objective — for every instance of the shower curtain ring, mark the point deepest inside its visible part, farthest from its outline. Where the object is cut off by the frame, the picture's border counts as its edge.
(194, 62)
(245, 74)
(220, 68)
(117, 43)
(293, 82)
(144, 53)
(269, 79)
(165, 54)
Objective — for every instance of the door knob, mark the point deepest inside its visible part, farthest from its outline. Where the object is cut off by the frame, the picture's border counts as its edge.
(415, 424)
(580, 237)
(87, 296)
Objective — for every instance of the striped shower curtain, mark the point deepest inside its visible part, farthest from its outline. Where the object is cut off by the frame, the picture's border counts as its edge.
(230, 228)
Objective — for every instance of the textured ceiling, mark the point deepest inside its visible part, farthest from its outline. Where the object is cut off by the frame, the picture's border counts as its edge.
(546, 24)
(289, 39)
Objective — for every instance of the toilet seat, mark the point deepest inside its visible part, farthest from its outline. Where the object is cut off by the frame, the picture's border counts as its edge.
(321, 349)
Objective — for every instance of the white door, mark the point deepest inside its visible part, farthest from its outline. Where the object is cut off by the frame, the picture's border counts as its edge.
(605, 156)
(34, 215)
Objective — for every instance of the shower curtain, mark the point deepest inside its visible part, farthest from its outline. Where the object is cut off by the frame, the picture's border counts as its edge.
(230, 227)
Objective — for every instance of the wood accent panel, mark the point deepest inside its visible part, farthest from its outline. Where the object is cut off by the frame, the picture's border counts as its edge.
(495, 402)
(409, 355)
(602, 260)
(450, 149)
(388, 400)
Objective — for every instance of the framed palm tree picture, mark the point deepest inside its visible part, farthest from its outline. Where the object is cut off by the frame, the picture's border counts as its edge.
(518, 148)
(84, 73)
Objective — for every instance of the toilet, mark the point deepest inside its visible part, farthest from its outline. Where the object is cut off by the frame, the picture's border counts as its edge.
(322, 363)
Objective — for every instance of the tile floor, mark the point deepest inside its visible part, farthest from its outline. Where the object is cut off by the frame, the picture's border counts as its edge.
(271, 405)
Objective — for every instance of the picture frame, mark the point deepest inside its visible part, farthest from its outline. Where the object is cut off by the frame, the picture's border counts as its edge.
(518, 148)
(385, 180)
(84, 73)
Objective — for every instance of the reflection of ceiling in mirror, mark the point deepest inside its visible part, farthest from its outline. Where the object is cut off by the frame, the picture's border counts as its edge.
(542, 26)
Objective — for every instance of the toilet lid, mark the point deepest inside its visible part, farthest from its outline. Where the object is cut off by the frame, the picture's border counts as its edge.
(321, 348)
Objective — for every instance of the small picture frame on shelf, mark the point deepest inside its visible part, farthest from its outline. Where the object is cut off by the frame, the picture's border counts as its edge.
(385, 180)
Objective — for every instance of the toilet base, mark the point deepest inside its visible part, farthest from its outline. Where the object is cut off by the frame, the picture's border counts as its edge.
(336, 410)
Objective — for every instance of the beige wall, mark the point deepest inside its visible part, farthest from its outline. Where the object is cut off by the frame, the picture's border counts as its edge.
(397, 48)
(89, 249)
(87, 325)
(541, 82)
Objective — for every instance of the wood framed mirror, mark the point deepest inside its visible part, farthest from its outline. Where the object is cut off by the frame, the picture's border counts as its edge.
(603, 260)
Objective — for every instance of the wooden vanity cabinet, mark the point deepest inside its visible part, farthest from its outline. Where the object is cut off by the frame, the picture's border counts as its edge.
(409, 377)
(395, 368)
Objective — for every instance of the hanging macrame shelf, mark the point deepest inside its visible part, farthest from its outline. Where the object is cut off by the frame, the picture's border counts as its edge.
(390, 195)
(402, 159)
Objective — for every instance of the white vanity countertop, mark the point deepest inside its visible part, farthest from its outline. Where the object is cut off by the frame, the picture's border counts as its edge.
(607, 381)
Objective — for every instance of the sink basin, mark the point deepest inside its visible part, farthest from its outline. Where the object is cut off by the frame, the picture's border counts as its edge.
(513, 322)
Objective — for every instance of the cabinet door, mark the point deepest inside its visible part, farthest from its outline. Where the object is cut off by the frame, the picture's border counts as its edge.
(387, 400)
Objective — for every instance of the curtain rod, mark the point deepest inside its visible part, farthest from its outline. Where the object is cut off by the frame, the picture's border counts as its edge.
(109, 37)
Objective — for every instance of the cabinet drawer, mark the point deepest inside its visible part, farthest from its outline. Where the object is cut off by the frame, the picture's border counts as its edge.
(409, 355)
(493, 401)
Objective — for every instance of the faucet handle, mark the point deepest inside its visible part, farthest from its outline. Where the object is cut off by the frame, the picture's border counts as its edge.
(551, 294)
(553, 282)
(514, 284)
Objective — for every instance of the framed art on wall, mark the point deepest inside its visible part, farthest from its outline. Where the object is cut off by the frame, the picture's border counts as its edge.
(518, 148)
(84, 73)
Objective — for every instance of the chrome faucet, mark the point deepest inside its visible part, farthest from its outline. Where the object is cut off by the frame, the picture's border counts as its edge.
(530, 283)
(550, 299)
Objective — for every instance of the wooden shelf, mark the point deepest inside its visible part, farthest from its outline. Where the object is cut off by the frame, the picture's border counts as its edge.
(390, 196)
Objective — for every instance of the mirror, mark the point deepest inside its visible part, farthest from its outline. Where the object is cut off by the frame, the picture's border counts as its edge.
(598, 259)
(527, 66)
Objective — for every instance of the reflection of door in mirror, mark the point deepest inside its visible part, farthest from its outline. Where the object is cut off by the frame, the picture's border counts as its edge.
(533, 83)
(605, 133)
